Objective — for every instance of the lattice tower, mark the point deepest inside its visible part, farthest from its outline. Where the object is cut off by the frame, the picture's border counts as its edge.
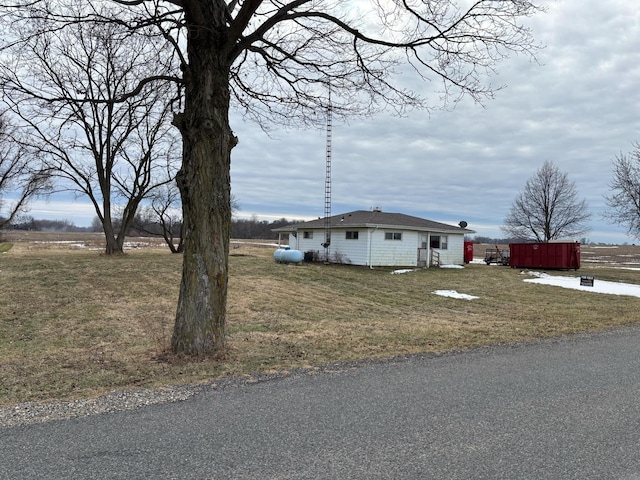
(327, 185)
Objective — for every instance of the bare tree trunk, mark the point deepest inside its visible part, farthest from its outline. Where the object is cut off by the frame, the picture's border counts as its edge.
(204, 183)
(112, 246)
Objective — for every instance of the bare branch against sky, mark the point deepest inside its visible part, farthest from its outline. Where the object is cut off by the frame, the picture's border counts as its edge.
(623, 201)
(576, 106)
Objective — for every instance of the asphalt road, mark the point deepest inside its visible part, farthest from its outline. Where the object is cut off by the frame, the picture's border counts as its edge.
(560, 409)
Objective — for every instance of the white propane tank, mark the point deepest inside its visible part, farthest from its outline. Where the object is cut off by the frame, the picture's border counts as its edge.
(286, 255)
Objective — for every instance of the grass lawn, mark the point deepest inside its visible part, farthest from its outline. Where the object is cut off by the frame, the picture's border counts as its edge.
(75, 323)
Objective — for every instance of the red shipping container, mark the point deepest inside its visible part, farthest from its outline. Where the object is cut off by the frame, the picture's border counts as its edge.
(558, 255)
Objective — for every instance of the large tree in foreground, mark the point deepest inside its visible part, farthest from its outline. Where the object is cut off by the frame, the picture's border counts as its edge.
(624, 201)
(548, 208)
(275, 61)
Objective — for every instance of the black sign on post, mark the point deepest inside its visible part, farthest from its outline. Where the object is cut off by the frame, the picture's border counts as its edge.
(586, 280)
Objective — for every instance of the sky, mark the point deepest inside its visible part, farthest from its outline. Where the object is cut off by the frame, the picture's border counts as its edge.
(578, 107)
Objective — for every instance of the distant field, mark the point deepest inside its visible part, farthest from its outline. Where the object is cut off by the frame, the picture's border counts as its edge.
(76, 323)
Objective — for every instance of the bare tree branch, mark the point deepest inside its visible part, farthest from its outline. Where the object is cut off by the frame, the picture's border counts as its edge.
(21, 173)
(624, 200)
(99, 136)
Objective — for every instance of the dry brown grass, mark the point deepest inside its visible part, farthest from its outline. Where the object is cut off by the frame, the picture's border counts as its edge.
(75, 323)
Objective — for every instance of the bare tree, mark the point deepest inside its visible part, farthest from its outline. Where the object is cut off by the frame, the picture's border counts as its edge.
(548, 208)
(164, 216)
(21, 174)
(624, 202)
(275, 61)
(67, 86)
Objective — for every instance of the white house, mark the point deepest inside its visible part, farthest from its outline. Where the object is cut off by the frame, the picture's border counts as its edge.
(375, 238)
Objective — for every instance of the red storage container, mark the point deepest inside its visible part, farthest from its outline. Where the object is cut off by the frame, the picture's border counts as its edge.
(468, 252)
(559, 255)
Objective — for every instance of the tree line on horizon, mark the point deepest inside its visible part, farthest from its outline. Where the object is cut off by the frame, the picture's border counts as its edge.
(249, 229)
(241, 228)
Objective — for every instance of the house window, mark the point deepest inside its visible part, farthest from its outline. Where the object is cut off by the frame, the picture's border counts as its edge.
(351, 235)
(393, 235)
(307, 234)
(439, 241)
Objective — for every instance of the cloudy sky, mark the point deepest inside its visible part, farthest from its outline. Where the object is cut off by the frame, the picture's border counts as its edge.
(578, 107)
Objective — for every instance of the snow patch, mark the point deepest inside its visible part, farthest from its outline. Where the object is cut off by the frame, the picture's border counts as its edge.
(398, 272)
(599, 286)
(454, 294)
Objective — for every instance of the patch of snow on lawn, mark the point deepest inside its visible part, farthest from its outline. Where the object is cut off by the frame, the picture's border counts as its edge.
(261, 244)
(71, 243)
(599, 286)
(451, 266)
(397, 272)
(454, 294)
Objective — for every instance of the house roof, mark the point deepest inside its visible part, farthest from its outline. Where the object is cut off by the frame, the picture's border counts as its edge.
(379, 219)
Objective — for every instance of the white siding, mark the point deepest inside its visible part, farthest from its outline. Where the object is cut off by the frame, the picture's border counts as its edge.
(307, 244)
(454, 254)
(394, 253)
(350, 251)
(341, 250)
(371, 248)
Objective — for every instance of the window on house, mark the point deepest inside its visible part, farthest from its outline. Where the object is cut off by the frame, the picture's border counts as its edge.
(439, 242)
(393, 235)
(351, 235)
(307, 234)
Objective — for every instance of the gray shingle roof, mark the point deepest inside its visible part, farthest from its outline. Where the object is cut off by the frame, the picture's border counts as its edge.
(376, 218)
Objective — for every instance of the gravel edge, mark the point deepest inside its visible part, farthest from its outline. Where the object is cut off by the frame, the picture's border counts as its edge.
(29, 413)
(115, 401)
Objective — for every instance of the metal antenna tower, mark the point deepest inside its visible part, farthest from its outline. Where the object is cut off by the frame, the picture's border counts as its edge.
(327, 185)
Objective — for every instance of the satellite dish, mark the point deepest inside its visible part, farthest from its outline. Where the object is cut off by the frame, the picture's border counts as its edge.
(463, 224)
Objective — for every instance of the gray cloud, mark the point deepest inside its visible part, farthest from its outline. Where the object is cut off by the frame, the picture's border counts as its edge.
(577, 107)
